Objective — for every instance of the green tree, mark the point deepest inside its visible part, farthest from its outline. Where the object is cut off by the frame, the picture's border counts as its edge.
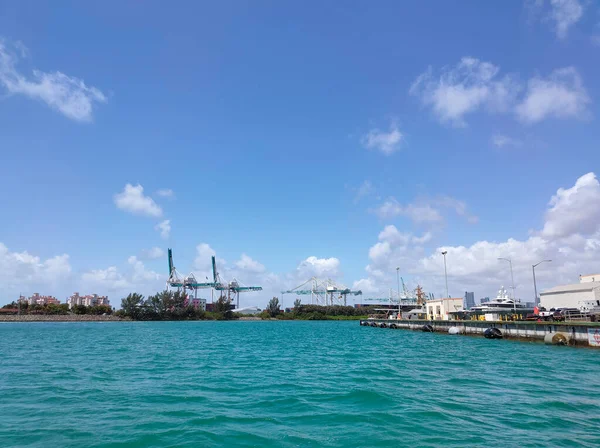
(159, 303)
(273, 307)
(131, 305)
(79, 309)
(297, 303)
(223, 307)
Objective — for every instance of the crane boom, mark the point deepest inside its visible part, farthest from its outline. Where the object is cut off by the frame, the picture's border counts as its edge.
(214, 268)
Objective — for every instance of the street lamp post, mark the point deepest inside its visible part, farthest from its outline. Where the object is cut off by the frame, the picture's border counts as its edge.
(398, 278)
(446, 272)
(537, 301)
(513, 283)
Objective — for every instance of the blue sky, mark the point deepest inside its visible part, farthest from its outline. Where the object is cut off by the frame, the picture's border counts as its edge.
(296, 134)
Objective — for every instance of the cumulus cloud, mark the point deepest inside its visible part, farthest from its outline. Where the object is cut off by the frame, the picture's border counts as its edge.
(570, 237)
(561, 95)
(384, 142)
(204, 253)
(565, 14)
(164, 228)
(424, 210)
(574, 210)
(473, 85)
(136, 278)
(153, 253)
(65, 94)
(109, 279)
(133, 200)
(318, 267)
(461, 90)
(245, 263)
(20, 270)
(366, 285)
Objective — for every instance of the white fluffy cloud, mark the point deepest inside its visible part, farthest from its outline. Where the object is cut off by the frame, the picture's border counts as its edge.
(565, 14)
(22, 272)
(68, 95)
(245, 263)
(385, 142)
(318, 267)
(204, 253)
(418, 213)
(117, 283)
(133, 200)
(469, 86)
(424, 210)
(474, 85)
(164, 228)
(574, 210)
(153, 253)
(561, 95)
(570, 237)
(109, 279)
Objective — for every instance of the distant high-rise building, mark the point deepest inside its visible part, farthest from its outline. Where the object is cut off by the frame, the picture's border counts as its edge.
(484, 300)
(89, 300)
(469, 300)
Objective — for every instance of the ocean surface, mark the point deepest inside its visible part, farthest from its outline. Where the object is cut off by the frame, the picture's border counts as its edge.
(330, 384)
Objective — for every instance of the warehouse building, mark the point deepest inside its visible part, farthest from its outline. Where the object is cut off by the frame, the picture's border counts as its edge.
(576, 295)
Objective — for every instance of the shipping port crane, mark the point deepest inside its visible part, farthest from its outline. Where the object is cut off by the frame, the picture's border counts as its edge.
(322, 292)
(419, 297)
(176, 280)
(233, 288)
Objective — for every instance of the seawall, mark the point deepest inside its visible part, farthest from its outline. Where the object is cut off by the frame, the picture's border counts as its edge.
(584, 334)
(58, 318)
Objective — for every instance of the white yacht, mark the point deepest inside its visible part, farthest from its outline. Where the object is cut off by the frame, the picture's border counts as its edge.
(502, 302)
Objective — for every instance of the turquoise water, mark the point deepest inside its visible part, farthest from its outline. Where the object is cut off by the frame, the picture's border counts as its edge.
(288, 384)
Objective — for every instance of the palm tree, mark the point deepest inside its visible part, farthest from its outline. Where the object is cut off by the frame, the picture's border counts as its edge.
(132, 303)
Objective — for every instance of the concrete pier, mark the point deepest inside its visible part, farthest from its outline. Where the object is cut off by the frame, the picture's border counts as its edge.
(583, 334)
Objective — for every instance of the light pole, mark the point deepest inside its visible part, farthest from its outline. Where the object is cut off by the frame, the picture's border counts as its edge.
(446, 272)
(513, 283)
(398, 278)
(537, 302)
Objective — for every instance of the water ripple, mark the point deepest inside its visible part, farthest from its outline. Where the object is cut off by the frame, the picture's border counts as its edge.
(288, 384)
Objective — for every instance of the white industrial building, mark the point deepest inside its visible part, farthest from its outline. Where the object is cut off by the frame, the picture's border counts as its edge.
(577, 295)
(439, 309)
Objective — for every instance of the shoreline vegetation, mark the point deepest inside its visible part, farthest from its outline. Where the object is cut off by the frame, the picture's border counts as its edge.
(173, 306)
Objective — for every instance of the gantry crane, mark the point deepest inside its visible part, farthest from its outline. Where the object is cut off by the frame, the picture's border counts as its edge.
(176, 280)
(233, 286)
(322, 291)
